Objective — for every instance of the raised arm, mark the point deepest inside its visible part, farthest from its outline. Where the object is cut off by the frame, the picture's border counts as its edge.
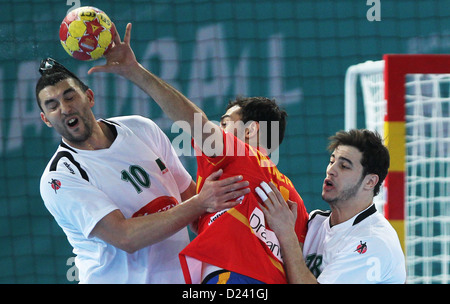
(122, 61)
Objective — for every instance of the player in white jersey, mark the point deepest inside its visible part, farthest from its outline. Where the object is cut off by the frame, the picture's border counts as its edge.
(117, 188)
(366, 242)
(352, 243)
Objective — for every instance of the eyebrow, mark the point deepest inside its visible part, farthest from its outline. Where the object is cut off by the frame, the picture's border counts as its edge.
(342, 158)
(46, 102)
(224, 116)
(69, 90)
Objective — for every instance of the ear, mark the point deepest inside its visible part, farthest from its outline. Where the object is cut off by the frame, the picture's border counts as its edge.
(371, 180)
(252, 130)
(90, 96)
(45, 120)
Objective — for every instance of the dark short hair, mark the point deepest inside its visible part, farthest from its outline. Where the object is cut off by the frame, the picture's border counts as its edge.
(262, 109)
(54, 74)
(375, 156)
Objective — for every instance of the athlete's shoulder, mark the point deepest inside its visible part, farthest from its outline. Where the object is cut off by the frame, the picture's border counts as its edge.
(316, 219)
(143, 127)
(65, 161)
(381, 229)
(318, 215)
(132, 121)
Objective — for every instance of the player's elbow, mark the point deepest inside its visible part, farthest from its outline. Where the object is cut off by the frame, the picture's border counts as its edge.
(128, 245)
(128, 242)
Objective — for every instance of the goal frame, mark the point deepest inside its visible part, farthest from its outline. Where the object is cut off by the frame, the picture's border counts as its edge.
(395, 68)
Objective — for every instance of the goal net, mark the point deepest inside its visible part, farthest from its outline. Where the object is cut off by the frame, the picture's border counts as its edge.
(406, 98)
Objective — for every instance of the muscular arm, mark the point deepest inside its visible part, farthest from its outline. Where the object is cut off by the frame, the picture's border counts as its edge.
(131, 234)
(121, 60)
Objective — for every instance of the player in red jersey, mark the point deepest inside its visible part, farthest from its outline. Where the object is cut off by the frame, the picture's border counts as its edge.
(238, 240)
(235, 245)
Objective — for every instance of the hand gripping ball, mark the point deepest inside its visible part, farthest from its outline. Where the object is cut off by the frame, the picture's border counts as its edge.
(86, 33)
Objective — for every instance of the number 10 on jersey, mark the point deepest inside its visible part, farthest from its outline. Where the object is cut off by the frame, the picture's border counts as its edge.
(137, 176)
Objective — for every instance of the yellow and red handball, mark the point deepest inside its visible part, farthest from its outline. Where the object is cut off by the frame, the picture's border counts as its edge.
(86, 33)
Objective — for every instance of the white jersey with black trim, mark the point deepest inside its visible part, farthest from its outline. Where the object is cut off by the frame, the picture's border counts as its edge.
(139, 174)
(362, 250)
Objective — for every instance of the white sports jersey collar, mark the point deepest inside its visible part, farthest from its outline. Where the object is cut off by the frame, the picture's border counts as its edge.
(352, 221)
(115, 129)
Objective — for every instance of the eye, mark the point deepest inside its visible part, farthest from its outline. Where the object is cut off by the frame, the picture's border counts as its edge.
(51, 106)
(224, 123)
(69, 96)
(345, 166)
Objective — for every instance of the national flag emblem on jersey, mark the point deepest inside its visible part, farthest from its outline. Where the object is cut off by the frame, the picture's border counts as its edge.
(162, 166)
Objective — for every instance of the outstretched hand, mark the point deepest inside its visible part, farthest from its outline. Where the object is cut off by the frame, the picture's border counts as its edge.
(120, 59)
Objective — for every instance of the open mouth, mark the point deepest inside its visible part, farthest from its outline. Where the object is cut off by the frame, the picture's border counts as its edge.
(72, 122)
(328, 184)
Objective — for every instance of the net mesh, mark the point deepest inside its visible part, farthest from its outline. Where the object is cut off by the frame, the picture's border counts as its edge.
(427, 199)
(428, 177)
(372, 86)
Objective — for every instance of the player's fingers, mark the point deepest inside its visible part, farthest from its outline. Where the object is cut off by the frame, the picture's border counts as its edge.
(116, 35)
(229, 180)
(235, 186)
(215, 175)
(293, 207)
(236, 195)
(270, 193)
(280, 198)
(262, 195)
(264, 210)
(264, 198)
(99, 68)
(127, 37)
(228, 200)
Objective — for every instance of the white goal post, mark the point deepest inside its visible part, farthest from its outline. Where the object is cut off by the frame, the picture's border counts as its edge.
(406, 99)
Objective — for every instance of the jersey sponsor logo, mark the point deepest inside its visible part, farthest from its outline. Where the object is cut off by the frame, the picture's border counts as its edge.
(55, 184)
(69, 167)
(219, 213)
(361, 248)
(160, 204)
(216, 216)
(258, 225)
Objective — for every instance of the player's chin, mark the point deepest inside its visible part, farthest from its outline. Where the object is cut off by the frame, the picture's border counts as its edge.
(76, 135)
(326, 196)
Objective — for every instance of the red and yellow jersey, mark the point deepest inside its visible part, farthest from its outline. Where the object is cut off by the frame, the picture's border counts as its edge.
(239, 239)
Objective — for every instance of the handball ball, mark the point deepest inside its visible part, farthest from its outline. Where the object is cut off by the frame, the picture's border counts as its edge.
(86, 33)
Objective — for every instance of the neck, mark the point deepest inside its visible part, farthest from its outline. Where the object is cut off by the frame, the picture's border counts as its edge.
(101, 138)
